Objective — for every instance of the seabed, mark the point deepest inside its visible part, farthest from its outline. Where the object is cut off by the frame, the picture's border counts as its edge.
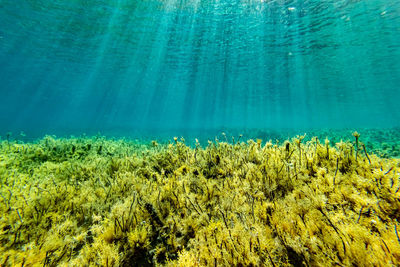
(104, 202)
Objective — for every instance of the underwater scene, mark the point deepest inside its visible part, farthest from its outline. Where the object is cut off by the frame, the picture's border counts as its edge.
(200, 133)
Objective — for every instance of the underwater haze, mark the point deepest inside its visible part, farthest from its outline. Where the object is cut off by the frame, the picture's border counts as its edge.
(120, 66)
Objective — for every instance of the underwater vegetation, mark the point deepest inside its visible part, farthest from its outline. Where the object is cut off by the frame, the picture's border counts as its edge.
(103, 202)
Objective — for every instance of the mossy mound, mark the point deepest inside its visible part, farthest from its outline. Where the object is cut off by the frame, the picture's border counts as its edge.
(91, 202)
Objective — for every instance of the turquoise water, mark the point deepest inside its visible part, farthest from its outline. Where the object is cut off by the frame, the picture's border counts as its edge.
(122, 66)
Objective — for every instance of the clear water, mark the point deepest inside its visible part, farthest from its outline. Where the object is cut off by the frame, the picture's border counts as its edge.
(124, 66)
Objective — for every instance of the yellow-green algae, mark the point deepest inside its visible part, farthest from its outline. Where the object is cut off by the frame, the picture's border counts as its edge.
(98, 202)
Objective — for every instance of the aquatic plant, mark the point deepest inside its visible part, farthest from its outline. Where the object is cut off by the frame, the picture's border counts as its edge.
(84, 202)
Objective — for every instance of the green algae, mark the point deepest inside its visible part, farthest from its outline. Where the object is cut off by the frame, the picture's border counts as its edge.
(90, 202)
